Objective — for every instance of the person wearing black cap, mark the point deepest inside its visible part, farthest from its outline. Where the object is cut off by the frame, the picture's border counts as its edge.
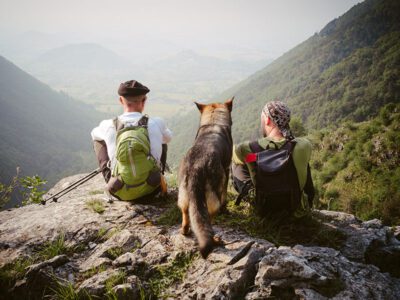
(132, 97)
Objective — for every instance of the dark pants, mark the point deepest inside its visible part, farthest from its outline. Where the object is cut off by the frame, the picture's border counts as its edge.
(241, 178)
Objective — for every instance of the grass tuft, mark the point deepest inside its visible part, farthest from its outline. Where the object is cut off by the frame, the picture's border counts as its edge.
(168, 274)
(68, 292)
(113, 231)
(93, 271)
(96, 205)
(54, 248)
(171, 216)
(280, 230)
(96, 192)
(14, 271)
(101, 233)
(114, 252)
(111, 282)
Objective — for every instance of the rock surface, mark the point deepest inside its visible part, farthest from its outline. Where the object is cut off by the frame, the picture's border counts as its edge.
(125, 253)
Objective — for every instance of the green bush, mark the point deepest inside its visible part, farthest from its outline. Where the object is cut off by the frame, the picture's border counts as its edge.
(364, 177)
(29, 186)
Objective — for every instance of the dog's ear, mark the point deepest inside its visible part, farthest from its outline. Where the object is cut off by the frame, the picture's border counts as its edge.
(229, 103)
(200, 106)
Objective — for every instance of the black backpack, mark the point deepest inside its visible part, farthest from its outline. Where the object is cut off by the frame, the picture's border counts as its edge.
(277, 184)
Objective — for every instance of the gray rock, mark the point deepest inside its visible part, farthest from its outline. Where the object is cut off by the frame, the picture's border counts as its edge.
(385, 256)
(123, 241)
(374, 223)
(127, 291)
(396, 232)
(143, 247)
(54, 262)
(95, 285)
(363, 238)
(39, 279)
(214, 278)
(35, 283)
(238, 277)
(92, 245)
(338, 217)
(125, 259)
(319, 273)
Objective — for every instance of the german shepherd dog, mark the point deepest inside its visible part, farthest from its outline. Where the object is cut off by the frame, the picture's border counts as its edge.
(204, 172)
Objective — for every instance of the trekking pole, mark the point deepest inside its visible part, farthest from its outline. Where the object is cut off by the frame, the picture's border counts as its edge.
(243, 193)
(72, 186)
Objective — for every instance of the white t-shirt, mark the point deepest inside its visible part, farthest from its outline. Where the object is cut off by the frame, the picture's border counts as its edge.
(158, 134)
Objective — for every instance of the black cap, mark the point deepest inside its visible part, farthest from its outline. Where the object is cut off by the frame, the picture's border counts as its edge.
(132, 88)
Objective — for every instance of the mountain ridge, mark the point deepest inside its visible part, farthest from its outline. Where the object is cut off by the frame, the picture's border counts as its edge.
(43, 131)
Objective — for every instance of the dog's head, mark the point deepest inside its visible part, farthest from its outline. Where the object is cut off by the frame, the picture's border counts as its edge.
(216, 113)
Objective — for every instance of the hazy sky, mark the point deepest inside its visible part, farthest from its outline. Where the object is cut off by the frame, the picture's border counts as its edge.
(263, 24)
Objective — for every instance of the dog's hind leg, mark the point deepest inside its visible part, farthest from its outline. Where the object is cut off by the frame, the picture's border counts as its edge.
(185, 229)
(183, 203)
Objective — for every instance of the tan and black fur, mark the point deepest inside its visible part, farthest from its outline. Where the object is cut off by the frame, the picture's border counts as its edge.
(204, 172)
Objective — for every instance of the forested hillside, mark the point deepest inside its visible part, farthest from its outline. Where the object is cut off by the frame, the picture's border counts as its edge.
(356, 166)
(42, 131)
(345, 73)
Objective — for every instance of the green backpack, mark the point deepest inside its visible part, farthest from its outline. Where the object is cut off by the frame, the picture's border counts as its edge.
(135, 165)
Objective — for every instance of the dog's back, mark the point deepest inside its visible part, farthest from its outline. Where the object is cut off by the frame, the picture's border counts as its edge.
(204, 171)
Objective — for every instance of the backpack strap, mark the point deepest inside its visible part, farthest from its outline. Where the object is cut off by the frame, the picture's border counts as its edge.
(255, 147)
(292, 144)
(143, 121)
(118, 124)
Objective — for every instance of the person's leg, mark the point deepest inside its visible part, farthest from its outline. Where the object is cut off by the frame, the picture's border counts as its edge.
(149, 198)
(241, 178)
(100, 148)
(163, 158)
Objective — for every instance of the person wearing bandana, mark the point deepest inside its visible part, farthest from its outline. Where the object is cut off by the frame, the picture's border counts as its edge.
(275, 118)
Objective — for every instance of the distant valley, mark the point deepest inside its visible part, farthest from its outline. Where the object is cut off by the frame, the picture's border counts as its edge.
(91, 73)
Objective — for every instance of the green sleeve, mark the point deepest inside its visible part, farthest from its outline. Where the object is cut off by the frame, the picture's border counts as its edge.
(239, 157)
(301, 158)
(240, 152)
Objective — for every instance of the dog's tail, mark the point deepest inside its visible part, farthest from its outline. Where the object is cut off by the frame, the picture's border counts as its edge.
(199, 217)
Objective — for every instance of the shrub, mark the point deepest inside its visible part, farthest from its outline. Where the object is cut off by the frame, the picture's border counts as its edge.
(30, 187)
(332, 193)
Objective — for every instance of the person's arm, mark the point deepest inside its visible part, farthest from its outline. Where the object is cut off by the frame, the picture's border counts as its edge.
(309, 187)
(240, 152)
(99, 133)
(165, 131)
(163, 159)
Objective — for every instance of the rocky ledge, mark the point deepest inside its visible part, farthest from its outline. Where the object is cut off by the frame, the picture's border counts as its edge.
(83, 247)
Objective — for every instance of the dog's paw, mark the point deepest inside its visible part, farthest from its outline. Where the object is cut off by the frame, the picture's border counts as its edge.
(185, 230)
(218, 241)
